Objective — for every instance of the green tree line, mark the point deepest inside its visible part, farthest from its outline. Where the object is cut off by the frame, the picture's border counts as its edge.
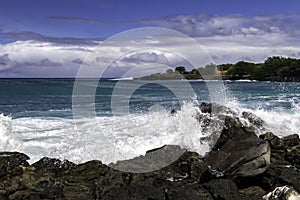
(274, 68)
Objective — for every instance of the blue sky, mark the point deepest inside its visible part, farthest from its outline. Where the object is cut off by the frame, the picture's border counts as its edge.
(34, 26)
(101, 19)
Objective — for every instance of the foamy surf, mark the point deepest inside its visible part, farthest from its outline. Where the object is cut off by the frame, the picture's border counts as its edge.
(110, 139)
(8, 141)
(281, 122)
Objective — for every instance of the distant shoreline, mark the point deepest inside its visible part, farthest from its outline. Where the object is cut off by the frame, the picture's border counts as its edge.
(226, 78)
(223, 78)
(275, 69)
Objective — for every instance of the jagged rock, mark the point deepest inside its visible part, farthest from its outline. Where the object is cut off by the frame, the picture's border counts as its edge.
(239, 153)
(290, 176)
(140, 187)
(54, 165)
(253, 119)
(285, 150)
(282, 193)
(212, 118)
(27, 195)
(93, 180)
(226, 189)
(173, 111)
(206, 107)
(253, 191)
(291, 140)
(293, 155)
(188, 192)
(231, 127)
(274, 141)
(222, 189)
(189, 167)
(213, 108)
(10, 161)
(79, 181)
(147, 186)
(153, 160)
(52, 193)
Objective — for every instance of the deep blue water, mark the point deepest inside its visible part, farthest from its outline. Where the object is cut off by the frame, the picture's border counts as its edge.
(53, 97)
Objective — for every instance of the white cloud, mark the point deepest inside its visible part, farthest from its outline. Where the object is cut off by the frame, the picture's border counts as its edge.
(32, 58)
(203, 25)
(226, 39)
(146, 57)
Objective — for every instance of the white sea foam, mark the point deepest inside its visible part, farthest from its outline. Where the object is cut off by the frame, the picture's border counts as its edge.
(110, 139)
(123, 137)
(281, 122)
(7, 140)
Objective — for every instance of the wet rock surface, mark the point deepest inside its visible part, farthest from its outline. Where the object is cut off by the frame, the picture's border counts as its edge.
(153, 160)
(241, 165)
(239, 152)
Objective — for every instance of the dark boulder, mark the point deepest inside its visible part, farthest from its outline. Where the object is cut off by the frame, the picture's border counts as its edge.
(153, 160)
(282, 193)
(188, 192)
(253, 191)
(226, 189)
(291, 177)
(253, 119)
(291, 140)
(222, 189)
(54, 165)
(10, 162)
(80, 181)
(214, 108)
(293, 155)
(238, 152)
(274, 141)
(188, 167)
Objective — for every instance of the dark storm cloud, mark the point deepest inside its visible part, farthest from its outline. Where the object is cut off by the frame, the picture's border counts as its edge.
(77, 19)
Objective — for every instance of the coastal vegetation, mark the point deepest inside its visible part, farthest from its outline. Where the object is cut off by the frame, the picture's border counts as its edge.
(274, 68)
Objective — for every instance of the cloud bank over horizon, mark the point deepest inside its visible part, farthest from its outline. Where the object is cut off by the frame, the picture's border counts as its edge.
(227, 39)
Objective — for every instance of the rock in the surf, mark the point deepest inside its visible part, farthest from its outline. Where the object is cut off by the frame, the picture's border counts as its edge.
(253, 119)
(12, 160)
(53, 164)
(283, 193)
(239, 152)
(153, 160)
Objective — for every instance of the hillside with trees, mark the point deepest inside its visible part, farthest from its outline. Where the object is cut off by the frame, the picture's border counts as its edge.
(274, 68)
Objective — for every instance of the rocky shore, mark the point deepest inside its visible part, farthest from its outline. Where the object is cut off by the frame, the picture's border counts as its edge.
(241, 165)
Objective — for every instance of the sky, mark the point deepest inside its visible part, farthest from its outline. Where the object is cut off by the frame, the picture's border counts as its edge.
(40, 38)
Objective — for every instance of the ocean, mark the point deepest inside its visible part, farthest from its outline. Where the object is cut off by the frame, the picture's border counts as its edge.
(37, 116)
